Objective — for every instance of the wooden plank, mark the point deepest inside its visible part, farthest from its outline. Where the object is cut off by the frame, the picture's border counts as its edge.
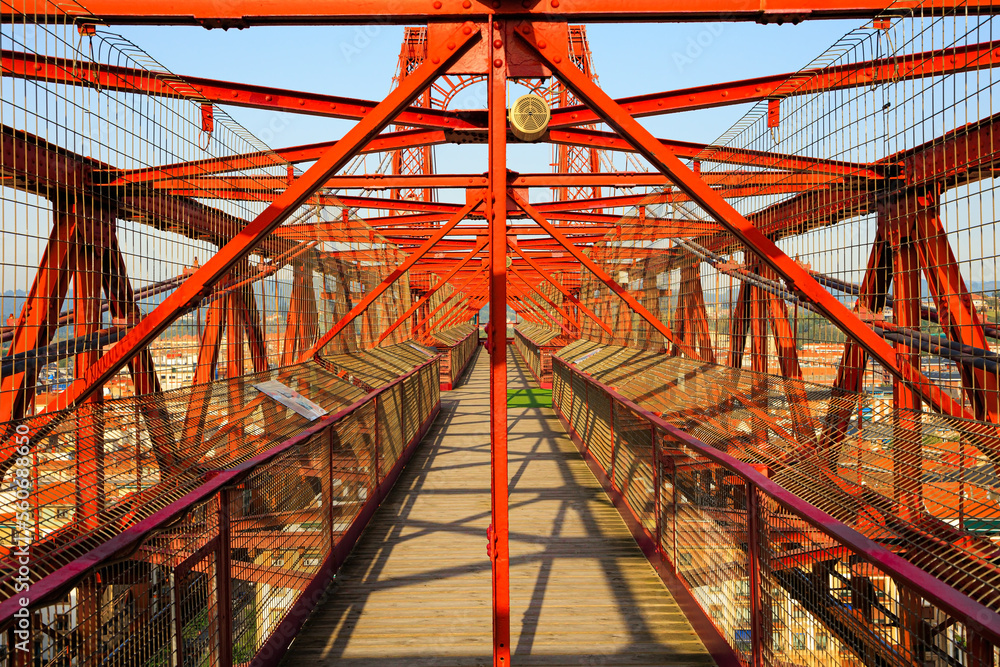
(416, 590)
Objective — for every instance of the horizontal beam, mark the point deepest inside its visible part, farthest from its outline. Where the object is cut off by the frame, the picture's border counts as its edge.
(136, 80)
(280, 157)
(32, 164)
(239, 187)
(248, 13)
(806, 82)
(720, 154)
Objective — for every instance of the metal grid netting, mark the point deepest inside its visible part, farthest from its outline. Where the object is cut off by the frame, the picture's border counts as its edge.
(781, 588)
(872, 168)
(457, 345)
(198, 430)
(536, 344)
(119, 176)
(167, 600)
(752, 417)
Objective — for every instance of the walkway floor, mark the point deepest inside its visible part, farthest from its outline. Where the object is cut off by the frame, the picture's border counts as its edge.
(416, 590)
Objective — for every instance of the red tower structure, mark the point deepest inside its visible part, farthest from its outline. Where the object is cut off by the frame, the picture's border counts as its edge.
(826, 244)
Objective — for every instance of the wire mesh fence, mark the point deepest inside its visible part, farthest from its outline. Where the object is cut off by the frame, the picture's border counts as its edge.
(780, 581)
(207, 572)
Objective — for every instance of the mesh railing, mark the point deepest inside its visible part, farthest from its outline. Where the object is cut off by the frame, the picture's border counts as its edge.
(170, 512)
(222, 564)
(456, 345)
(782, 580)
(536, 344)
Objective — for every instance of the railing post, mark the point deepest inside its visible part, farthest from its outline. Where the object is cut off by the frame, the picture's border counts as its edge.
(555, 403)
(657, 478)
(673, 471)
(329, 484)
(611, 432)
(980, 650)
(753, 571)
(377, 447)
(589, 408)
(223, 578)
(402, 424)
(572, 395)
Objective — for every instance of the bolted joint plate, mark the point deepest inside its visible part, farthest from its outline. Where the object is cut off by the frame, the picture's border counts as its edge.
(521, 63)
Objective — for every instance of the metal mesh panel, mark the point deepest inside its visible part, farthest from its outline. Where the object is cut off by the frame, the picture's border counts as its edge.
(215, 584)
(458, 345)
(780, 583)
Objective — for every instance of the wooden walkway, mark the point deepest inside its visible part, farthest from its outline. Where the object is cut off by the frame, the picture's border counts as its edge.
(416, 590)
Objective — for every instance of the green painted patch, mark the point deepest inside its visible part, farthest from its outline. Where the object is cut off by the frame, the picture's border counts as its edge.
(529, 398)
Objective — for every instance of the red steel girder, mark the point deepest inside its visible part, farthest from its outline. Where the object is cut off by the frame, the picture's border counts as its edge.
(601, 275)
(259, 160)
(217, 266)
(208, 359)
(797, 278)
(381, 203)
(268, 187)
(498, 534)
(838, 77)
(691, 322)
(132, 80)
(441, 283)
(247, 13)
(721, 154)
(217, 186)
(394, 275)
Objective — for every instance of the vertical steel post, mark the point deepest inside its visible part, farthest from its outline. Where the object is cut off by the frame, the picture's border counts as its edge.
(223, 578)
(572, 399)
(377, 445)
(673, 559)
(657, 479)
(754, 583)
(900, 220)
(330, 514)
(611, 432)
(906, 313)
(234, 372)
(90, 473)
(496, 205)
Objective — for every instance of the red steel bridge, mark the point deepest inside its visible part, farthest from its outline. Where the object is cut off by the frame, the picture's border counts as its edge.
(773, 353)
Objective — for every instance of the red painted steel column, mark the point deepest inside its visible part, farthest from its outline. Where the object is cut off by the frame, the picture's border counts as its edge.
(759, 360)
(497, 205)
(738, 326)
(906, 461)
(224, 578)
(234, 373)
(92, 234)
(90, 496)
(757, 620)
